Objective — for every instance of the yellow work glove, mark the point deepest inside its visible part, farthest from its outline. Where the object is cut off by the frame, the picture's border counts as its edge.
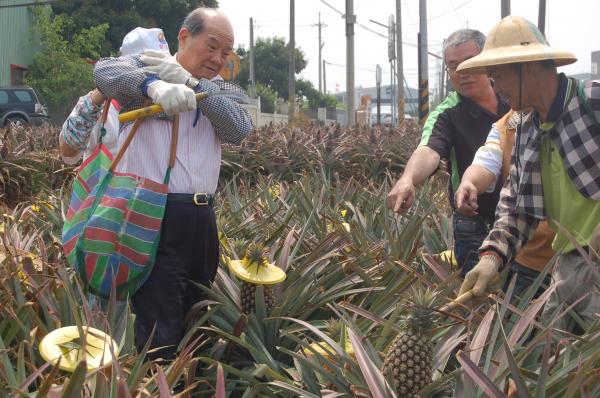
(595, 245)
(481, 278)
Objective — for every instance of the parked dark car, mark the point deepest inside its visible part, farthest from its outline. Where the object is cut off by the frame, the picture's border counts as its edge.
(19, 106)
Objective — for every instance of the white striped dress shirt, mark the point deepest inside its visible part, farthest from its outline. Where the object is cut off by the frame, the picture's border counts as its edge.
(199, 147)
(198, 159)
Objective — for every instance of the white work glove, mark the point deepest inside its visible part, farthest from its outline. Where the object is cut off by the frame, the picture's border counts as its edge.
(165, 66)
(174, 98)
(482, 276)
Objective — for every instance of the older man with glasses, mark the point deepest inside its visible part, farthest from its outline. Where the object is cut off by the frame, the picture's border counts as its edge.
(454, 131)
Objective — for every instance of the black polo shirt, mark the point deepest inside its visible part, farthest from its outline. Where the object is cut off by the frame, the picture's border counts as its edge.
(455, 130)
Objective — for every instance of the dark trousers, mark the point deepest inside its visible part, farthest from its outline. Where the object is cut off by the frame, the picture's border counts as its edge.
(188, 252)
(525, 278)
(469, 233)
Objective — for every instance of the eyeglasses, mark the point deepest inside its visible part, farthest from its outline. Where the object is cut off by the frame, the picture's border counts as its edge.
(451, 68)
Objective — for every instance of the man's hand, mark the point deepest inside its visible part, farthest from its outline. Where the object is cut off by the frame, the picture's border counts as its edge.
(481, 278)
(401, 196)
(165, 66)
(595, 245)
(466, 198)
(174, 98)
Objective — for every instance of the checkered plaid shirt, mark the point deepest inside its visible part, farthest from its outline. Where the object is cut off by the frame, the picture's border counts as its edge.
(122, 79)
(577, 135)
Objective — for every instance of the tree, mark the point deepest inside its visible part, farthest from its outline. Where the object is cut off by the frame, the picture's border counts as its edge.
(124, 15)
(267, 98)
(306, 90)
(61, 71)
(271, 71)
(271, 64)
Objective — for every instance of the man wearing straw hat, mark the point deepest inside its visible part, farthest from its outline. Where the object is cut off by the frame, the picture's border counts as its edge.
(188, 252)
(454, 131)
(555, 171)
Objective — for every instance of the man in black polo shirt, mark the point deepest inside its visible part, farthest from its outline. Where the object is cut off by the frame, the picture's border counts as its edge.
(454, 131)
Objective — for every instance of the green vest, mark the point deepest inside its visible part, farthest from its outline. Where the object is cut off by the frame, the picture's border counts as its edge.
(563, 204)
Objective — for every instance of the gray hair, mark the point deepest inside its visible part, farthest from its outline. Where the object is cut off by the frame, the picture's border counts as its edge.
(462, 36)
(194, 22)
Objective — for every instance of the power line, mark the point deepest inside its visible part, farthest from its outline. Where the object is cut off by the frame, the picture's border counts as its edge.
(444, 13)
(456, 13)
(448, 12)
(332, 7)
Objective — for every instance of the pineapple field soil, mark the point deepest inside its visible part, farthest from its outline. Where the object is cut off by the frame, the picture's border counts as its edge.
(356, 315)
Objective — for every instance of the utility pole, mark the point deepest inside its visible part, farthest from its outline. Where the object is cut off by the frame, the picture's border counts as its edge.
(251, 63)
(504, 8)
(292, 68)
(423, 66)
(399, 65)
(321, 44)
(378, 82)
(350, 20)
(542, 17)
(324, 79)
(392, 57)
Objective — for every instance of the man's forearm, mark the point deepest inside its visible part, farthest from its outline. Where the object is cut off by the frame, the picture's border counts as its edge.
(121, 78)
(232, 123)
(479, 176)
(421, 165)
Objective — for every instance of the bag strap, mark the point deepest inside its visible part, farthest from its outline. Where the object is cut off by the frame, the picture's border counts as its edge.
(174, 138)
(134, 129)
(105, 108)
(125, 145)
(103, 118)
(173, 151)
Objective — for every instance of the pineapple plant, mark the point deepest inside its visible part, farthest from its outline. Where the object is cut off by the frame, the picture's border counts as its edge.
(254, 269)
(336, 329)
(409, 358)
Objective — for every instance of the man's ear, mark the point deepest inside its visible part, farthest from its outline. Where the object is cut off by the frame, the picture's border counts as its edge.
(182, 36)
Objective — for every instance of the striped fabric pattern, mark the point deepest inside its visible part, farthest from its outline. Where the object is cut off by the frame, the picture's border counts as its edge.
(112, 228)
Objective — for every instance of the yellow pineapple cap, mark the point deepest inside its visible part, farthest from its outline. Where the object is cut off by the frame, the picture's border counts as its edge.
(37, 263)
(331, 228)
(62, 344)
(448, 257)
(324, 349)
(264, 274)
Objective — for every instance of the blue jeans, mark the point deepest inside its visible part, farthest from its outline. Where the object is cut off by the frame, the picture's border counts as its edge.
(525, 278)
(469, 233)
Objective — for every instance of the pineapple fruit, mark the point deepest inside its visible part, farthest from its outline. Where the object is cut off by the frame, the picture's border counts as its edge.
(248, 295)
(409, 358)
(255, 255)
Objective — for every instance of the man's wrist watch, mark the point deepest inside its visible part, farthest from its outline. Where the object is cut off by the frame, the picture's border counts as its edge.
(192, 82)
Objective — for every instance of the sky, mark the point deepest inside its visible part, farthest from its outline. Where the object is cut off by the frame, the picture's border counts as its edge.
(570, 25)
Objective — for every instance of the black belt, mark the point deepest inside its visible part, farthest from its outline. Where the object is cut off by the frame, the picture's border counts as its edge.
(198, 198)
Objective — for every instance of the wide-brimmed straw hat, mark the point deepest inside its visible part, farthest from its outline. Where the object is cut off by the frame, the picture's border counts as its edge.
(514, 40)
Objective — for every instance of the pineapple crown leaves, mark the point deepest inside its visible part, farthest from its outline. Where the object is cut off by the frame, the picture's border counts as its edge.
(240, 246)
(256, 254)
(334, 328)
(422, 313)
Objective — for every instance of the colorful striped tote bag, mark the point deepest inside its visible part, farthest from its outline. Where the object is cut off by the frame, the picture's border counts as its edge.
(112, 228)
